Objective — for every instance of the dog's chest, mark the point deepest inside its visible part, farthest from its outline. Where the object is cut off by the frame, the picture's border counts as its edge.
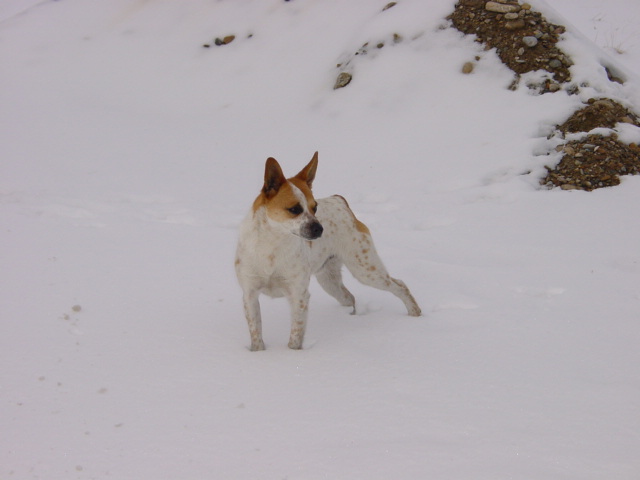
(276, 263)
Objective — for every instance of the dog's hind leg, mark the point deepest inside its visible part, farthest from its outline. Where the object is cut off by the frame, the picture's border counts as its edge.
(330, 279)
(367, 267)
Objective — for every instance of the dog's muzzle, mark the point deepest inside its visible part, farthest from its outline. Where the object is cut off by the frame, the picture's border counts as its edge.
(312, 230)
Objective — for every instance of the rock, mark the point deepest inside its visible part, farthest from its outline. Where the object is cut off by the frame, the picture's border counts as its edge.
(224, 41)
(554, 87)
(389, 5)
(511, 16)
(467, 68)
(343, 80)
(501, 7)
(555, 63)
(514, 25)
(530, 41)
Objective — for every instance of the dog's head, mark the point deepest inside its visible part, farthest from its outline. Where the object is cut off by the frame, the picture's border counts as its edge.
(289, 203)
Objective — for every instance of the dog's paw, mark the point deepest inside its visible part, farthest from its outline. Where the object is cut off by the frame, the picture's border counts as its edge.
(257, 347)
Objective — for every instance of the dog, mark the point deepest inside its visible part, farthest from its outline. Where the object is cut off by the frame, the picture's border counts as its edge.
(288, 236)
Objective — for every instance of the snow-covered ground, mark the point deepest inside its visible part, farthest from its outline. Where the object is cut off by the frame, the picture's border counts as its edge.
(130, 153)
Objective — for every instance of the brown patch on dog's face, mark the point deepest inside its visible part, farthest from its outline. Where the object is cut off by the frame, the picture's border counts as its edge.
(285, 205)
(293, 211)
(289, 204)
(306, 191)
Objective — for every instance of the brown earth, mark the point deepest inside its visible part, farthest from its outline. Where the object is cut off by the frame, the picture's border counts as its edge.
(522, 37)
(525, 41)
(594, 162)
(602, 112)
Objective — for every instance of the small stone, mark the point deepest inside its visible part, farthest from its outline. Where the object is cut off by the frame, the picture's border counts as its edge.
(76, 308)
(511, 16)
(526, 6)
(514, 25)
(389, 5)
(530, 41)
(555, 63)
(467, 68)
(343, 80)
(501, 7)
(225, 40)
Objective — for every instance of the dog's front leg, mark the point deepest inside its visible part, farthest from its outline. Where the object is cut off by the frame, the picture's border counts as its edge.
(252, 312)
(299, 301)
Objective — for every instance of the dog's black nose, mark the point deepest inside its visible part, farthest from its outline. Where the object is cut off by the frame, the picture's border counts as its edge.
(314, 230)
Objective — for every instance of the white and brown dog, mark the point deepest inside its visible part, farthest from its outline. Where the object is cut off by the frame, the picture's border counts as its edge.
(289, 236)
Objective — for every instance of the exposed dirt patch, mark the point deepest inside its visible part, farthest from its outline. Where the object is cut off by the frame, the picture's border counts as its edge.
(602, 112)
(594, 162)
(525, 42)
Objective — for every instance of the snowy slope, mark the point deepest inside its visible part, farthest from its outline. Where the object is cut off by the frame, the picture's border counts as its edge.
(131, 153)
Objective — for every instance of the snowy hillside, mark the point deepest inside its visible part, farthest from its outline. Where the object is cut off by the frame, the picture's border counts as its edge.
(131, 152)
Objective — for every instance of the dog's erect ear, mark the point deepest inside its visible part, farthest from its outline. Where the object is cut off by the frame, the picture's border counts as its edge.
(308, 173)
(273, 177)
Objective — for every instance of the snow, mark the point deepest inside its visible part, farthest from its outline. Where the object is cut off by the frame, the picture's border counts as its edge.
(130, 155)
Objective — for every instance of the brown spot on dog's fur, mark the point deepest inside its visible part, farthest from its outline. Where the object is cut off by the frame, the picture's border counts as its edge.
(306, 191)
(361, 227)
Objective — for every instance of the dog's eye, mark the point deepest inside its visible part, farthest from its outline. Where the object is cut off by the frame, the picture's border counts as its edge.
(296, 209)
(315, 208)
